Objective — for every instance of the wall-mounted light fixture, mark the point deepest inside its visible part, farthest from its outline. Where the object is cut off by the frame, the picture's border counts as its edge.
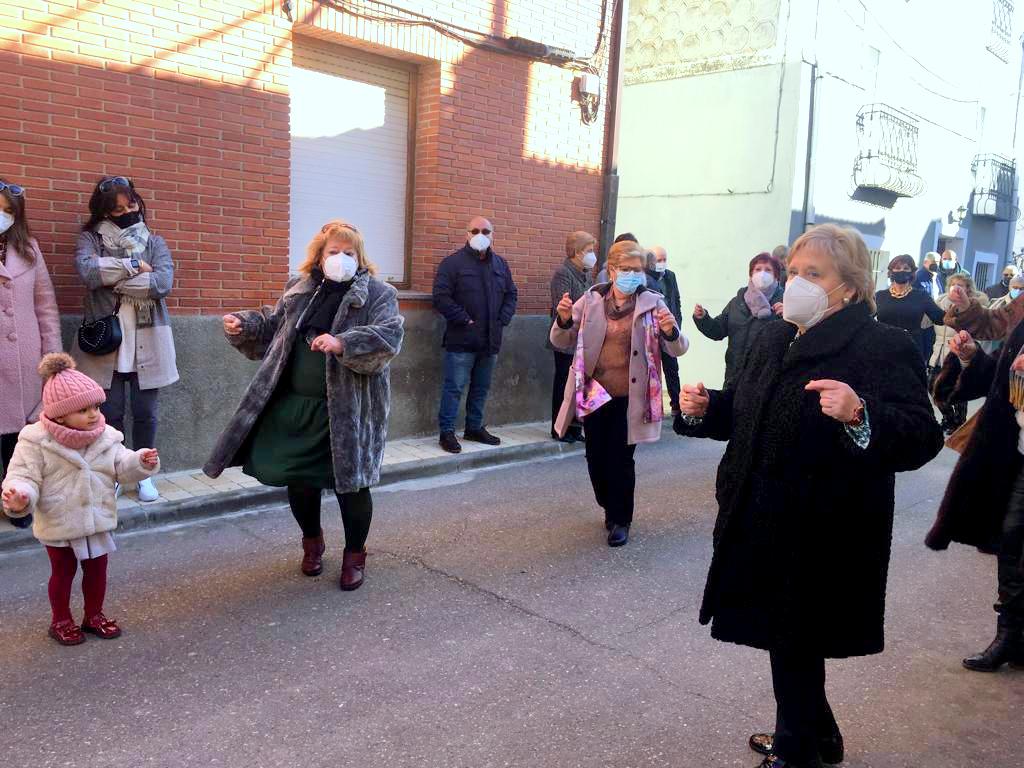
(959, 215)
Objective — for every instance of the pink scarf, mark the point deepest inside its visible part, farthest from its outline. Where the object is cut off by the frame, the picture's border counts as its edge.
(76, 439)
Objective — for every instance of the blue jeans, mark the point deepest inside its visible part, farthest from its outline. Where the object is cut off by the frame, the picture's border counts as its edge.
(461, 368)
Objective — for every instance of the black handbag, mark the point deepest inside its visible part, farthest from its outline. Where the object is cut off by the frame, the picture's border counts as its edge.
(101, 336)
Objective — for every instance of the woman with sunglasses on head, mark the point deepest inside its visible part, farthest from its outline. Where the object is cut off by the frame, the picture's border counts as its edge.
(128, 273)
(29, 323)
(315, 416)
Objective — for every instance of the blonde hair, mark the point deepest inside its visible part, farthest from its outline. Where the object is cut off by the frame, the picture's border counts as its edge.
(343, 231)
(625, 249)
(846, 248)
(578, 241)
(967, 280)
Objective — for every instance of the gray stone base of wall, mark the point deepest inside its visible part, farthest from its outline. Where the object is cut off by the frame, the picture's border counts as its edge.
(213, 377)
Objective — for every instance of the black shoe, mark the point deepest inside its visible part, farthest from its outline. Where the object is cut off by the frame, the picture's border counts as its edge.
(577, 435)
(619, 535)
(20, 522)
(772, 761)
(1006, 646)
(449, 442)
(481, 436)
(831, 749)
(568, 438)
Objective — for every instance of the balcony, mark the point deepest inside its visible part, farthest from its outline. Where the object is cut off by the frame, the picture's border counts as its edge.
(993, 188)
(887, 160)
(1001, 31)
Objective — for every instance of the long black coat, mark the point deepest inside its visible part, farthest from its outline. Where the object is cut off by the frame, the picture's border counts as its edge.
(978, 493)
(740, 326)
(805, 516)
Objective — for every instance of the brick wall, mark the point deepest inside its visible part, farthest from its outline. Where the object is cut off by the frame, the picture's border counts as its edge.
(190, 99)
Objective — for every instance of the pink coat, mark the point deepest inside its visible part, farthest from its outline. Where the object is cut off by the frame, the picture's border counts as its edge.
(29, 329)
(593, 341)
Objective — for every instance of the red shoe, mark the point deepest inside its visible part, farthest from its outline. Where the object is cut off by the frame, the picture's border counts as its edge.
(67, 633)
(312, 555)
(352, 566)
(102, 627)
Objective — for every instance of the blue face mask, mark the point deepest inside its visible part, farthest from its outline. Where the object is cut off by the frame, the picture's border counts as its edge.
(628, 282)
(1014, 293)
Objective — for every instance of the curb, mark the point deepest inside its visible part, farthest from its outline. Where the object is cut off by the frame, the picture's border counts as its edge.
(262, 497)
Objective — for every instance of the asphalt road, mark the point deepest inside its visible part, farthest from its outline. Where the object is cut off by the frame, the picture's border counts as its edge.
(495, 629)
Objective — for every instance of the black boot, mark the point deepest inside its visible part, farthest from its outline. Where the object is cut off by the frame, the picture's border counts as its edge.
(829, 749)
(1005, 647)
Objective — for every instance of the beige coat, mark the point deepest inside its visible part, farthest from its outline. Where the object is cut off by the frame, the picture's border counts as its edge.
(943, 333)
(71, 492)
(593, 340)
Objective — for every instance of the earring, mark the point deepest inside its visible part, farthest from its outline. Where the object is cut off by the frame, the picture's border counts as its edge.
(846, 300)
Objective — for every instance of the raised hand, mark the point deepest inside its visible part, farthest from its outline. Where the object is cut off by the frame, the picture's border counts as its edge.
(694, 399)
(958, 295)
(329, 345)
(838, 400)
(14, 500)
(564, 308)
(232, 325)
(149, 458)
(964, 346)
(699, 311)
(666, 321)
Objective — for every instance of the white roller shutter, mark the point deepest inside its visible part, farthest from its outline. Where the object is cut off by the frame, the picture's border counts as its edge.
(350, 150)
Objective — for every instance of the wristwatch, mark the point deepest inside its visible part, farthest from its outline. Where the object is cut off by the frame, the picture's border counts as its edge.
(135, 263)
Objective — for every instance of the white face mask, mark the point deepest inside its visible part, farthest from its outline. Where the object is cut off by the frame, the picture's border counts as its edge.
(480, 243)
(6, 221)
(763, 280)
(804, 303)
(589, 260)
(340, 267)
(660, 266)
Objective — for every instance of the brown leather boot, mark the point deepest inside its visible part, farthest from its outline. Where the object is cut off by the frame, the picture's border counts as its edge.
(312, 555)
(352, 566)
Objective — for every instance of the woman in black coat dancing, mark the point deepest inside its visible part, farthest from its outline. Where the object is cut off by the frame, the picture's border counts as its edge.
(829, 406)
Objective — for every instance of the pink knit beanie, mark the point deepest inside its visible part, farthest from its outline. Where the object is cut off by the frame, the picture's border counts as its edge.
(66, 390)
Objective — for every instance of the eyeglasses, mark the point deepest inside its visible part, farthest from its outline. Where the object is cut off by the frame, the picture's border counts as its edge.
(114, 181)
(476, 231)
(14, 189)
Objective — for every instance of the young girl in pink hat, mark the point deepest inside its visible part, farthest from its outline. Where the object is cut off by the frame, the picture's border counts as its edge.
(64, 470)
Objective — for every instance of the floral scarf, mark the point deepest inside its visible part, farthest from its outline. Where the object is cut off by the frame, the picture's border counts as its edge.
(590, 395)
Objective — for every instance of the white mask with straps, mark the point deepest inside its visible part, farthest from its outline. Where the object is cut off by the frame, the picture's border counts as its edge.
(804, 303)
(340, 267)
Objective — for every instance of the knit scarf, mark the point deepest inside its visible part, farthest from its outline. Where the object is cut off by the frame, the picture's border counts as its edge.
(76, 439)
(318, 317)
(129, 243)
(757, 300)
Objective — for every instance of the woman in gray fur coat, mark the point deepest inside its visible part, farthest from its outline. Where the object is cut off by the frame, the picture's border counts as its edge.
(315, 416)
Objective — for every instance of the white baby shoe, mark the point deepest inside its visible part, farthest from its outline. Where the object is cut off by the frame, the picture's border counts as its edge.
(148, 491)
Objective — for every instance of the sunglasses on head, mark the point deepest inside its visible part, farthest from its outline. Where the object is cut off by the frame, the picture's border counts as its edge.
(114, 181)
(14, 189)
(325, 227)
(476, 231)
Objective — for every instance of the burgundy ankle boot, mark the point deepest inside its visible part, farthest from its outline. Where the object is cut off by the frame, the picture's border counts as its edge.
(312, 555)
(352, 566)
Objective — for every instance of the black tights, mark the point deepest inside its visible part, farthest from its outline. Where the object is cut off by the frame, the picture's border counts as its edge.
(356, 514)
(7, 443)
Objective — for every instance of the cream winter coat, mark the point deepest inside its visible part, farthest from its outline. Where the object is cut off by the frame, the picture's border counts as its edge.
(71, 492)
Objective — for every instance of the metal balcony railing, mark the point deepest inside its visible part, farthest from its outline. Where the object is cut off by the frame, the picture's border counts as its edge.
(887, 139)
(993, 187)
(1001, 31)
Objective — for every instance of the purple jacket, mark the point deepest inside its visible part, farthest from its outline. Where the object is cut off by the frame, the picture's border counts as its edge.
(29, 329)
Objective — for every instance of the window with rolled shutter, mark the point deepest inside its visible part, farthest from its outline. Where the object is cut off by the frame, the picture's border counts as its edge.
(350, 139)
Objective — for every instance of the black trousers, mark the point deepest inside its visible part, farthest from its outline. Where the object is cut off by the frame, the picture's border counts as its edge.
(670, 365)
(144, 405)
(1010, 603)
(356, 514)
(563, 370)
(7, 443)
(803, 715)
(610, 460)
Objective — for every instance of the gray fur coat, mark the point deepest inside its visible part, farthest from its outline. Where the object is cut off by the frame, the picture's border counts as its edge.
(358, 384)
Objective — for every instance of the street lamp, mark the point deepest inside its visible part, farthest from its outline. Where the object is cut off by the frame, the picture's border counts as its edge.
(960, 215)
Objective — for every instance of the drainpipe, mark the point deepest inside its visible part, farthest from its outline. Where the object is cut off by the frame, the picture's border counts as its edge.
(610, 177)
(809, 161)
(1011, 225)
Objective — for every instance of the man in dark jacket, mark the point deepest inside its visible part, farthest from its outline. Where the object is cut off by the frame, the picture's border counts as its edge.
(1002, 288)
(474, 290)
(663, 280)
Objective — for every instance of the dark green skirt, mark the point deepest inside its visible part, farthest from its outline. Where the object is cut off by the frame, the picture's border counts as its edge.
(290, 443)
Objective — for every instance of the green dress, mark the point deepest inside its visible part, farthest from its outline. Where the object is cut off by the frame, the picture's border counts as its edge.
(290, 443)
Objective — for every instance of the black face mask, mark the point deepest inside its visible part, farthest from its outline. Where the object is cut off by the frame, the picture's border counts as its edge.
(126, 220)
(933, 268)
(1006, 282)
(901, 278)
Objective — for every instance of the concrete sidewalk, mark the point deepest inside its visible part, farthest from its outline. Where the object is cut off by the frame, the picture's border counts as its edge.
(191, 494)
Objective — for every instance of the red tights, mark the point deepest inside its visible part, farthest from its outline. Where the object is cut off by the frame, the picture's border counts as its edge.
(63, 566)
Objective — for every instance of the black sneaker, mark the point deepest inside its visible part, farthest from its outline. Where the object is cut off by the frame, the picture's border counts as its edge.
(20, 522)
(449, 442)
(481, 436)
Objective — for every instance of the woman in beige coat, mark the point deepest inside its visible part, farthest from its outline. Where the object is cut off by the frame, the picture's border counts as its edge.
(953, 414)
(619, 330)
(29, 322)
